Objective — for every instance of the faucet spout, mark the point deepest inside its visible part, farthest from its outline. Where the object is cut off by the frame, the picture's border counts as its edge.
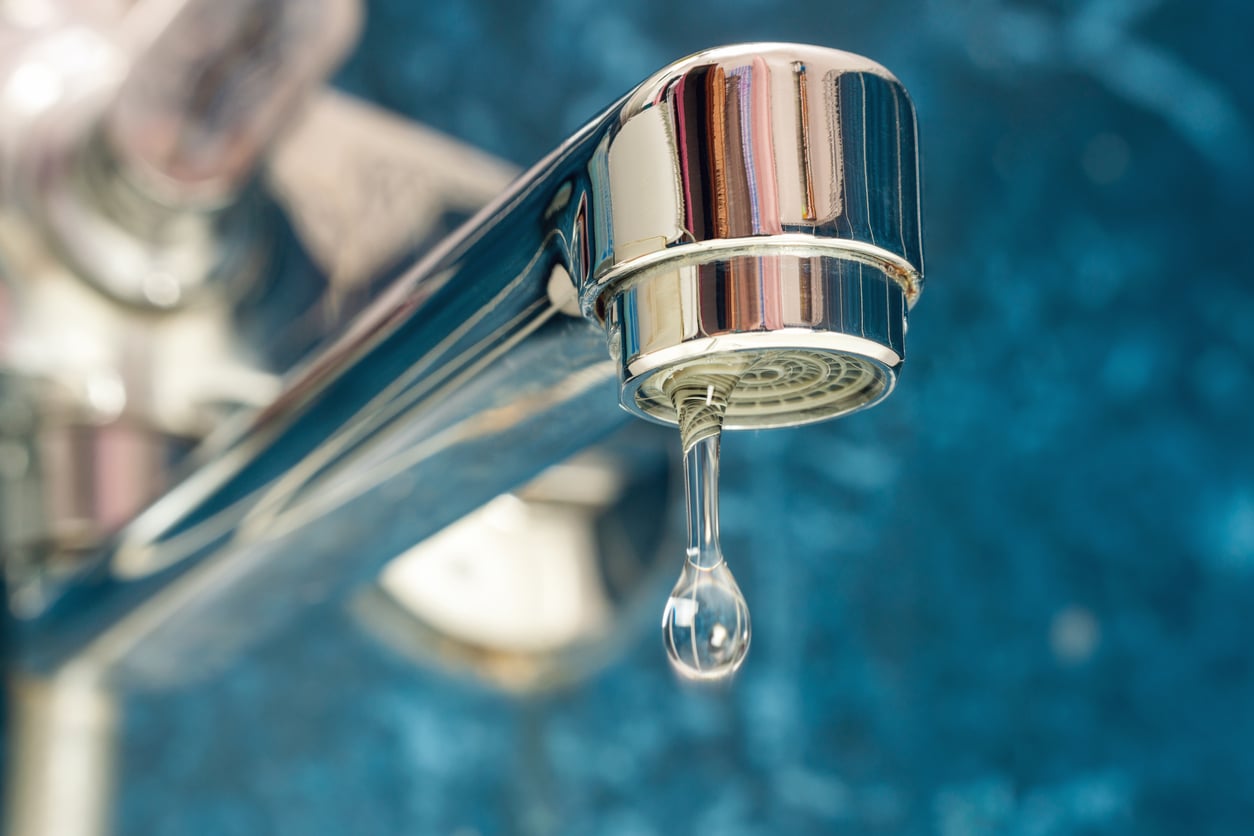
(759, 198)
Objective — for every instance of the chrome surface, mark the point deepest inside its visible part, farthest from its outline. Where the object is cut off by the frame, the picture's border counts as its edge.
(750, 147)
(759, 200)
(473, 370)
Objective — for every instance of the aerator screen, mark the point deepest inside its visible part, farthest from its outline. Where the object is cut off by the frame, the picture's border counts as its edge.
(777, 387)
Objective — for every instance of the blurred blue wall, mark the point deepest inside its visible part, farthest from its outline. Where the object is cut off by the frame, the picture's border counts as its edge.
(1017, 598)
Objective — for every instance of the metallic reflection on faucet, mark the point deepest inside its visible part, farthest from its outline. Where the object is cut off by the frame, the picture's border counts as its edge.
(764, 200)
(466, 360)
(761, 198)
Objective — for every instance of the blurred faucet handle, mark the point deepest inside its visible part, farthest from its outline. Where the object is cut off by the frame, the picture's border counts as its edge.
(143, 178)
(213, 83)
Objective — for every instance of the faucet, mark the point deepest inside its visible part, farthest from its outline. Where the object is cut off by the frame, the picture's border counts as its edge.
(756, 198)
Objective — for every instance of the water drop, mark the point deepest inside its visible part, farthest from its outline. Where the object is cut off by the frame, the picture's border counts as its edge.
(706, 625)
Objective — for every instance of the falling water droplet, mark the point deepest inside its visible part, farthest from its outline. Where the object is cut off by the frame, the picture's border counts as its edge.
(706, 624)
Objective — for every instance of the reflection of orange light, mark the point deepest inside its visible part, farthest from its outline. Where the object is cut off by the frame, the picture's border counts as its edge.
(716, 133)
(803, 158)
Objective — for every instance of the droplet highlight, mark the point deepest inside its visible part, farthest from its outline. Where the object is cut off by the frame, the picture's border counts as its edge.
(706, 623)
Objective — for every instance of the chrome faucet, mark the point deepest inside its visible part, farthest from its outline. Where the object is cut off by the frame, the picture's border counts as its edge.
(758, 198)
(754, 198)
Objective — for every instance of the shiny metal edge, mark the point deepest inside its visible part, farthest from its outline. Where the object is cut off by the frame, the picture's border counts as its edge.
(622, 275)
(788, 338)
(837, 58)
(884, 359)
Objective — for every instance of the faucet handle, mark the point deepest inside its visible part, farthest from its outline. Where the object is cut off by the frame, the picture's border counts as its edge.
(213, 84)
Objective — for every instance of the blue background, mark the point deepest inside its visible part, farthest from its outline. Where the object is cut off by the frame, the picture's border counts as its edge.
(1016, 598)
